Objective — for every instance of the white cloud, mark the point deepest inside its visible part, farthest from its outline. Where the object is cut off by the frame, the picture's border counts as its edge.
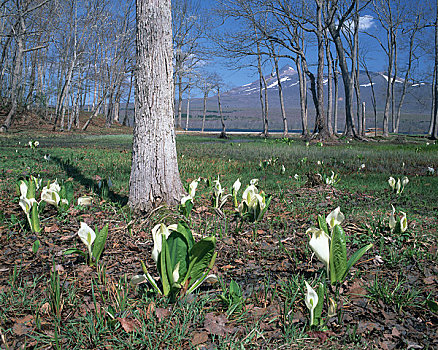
(365, 23)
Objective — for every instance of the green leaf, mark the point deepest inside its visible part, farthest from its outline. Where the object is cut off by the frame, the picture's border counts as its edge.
(150, 279)
(165, 266)
(36, 246)
(355, 257)
(201, 280)
(323, 224)
(338, 255)
(99, 242)
(178, 252)
(318, 309)
(262, 213)
(34, 218)
(31, 189)
(69, 192)
(201, 255)
(74, 251)
(184, 229)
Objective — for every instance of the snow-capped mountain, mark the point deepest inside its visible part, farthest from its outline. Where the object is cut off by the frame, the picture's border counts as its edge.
(241, 105)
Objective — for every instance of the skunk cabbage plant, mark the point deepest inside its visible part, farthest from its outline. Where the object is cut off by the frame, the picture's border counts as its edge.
(254, 203)
(329, 245)
(398, 185)
(218, 195)
(398, 224)
(28, 203)
(182, 264)
(94, 241)
(186, 205)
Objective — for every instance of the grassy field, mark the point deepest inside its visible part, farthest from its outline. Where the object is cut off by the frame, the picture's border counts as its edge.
(388, 300)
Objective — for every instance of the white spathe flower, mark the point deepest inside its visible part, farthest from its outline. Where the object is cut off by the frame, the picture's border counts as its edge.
(236, 186)
(254, 182)
(54, 186)
(392, 221)
(25, 204)
(430, 170)
(36, 143)
(320, 244)
(50, 196)
(403, 222)
(175, 273)
(87, 236)
(158, 232)
(362, 166)
(283, 169)
(335, 218)
(249, 193)
(193, 186)
(217, 188)
(296, 177)
(391, 182)
(405, 181)
(311, 300)
(47, 157)
(23, 188)
(85, 201)
(398, 187)
(185, 199)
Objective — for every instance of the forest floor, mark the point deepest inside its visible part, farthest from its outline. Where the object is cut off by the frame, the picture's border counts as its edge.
(388, 300)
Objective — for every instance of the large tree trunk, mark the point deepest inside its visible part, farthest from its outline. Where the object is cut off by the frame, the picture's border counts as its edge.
(223, 134)
(262, 104)
(432, 107)
(15, 77)
(434, 133)
(154, 173)
(303, 96)
(180, 99)
(329, 87)
(320, 121)
(125, 119)
(280, 94)
(350, 129)
(204, 113)
(188, 110)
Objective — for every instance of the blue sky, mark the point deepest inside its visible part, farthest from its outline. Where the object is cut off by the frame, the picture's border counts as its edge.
(376, 58)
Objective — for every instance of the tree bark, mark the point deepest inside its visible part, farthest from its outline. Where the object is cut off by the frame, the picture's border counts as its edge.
(280, 94)
(434, 134)
(155, 177)
(329, 87)
(204, 113)
(303, 96)
(16, 76)
(223, 134)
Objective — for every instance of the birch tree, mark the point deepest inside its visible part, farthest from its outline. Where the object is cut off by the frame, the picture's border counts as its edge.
(155, 176)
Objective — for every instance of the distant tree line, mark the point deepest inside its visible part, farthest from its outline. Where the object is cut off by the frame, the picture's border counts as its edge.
(60, 57)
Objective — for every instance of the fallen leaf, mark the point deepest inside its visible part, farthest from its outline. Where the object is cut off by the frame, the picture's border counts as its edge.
(129, 324)
(199, 338)
(216, 324)
(45, 308)
(150, 310)
(51, 229)
(161, 313)
(429, 280)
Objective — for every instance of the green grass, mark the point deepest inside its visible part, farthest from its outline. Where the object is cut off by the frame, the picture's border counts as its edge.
(86, 313)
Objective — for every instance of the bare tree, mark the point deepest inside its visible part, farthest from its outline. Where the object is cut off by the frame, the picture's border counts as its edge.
(154, 173)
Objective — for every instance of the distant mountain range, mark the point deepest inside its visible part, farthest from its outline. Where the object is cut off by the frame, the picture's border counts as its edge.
(242, 109)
